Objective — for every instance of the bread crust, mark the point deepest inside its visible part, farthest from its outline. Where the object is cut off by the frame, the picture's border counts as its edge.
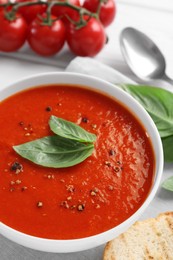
(150, 239)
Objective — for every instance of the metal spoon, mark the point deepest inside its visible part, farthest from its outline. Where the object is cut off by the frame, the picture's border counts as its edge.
(143, 56)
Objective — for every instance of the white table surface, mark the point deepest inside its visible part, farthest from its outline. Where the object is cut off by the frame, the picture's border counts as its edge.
(155, 18)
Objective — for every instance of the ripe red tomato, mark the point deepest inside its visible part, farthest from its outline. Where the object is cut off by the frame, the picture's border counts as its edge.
(30, 12)
(44, 39)
(88, 40)
(61, 11)
(107, 11)
(4, 2)
(12, 33)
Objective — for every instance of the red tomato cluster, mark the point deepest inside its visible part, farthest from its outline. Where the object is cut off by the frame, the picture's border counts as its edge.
(48, 39)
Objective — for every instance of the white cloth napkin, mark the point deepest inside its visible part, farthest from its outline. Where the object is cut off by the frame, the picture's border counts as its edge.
(95, 68)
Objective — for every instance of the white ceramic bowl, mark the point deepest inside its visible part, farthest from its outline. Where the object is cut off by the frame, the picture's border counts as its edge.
(50, 245)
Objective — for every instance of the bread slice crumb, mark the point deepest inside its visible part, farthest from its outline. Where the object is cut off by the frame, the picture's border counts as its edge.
(151, 239)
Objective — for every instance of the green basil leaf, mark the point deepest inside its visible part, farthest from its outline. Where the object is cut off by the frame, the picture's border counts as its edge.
(158, 103)
(55, 151)
(168, 148)
(70, 130)
(168, 184)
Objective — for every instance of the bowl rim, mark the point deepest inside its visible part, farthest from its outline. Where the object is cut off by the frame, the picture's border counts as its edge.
(93, 83)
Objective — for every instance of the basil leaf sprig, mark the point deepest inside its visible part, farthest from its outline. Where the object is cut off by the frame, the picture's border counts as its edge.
(70, 146)
(54, 151)
(159, 104)
(168, 184)
(70, 130)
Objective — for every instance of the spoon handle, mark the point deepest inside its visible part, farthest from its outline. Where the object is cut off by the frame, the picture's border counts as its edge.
(167, 79)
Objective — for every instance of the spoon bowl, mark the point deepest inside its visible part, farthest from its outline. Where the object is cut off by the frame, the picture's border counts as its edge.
(142, 55)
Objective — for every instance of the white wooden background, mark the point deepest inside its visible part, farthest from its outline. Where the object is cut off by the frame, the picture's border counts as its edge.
(155, 18)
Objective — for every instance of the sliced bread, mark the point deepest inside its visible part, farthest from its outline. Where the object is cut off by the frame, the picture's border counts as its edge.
(144, 240)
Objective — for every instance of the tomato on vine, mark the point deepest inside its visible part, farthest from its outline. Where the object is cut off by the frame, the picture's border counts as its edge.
(88, 40)
(46, 38)
(2, 2)
(64, 11)
(13, 32)
(30, 12)
(46, 33)
(107, 10)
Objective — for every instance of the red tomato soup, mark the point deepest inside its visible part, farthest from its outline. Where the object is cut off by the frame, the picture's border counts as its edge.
(85, 199)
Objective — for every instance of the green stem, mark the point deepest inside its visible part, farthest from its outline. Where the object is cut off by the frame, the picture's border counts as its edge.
(100, 4)
(82, 11)
(16, 6)
(48, 20)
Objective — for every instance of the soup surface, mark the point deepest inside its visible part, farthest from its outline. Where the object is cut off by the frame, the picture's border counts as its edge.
(82, 200)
